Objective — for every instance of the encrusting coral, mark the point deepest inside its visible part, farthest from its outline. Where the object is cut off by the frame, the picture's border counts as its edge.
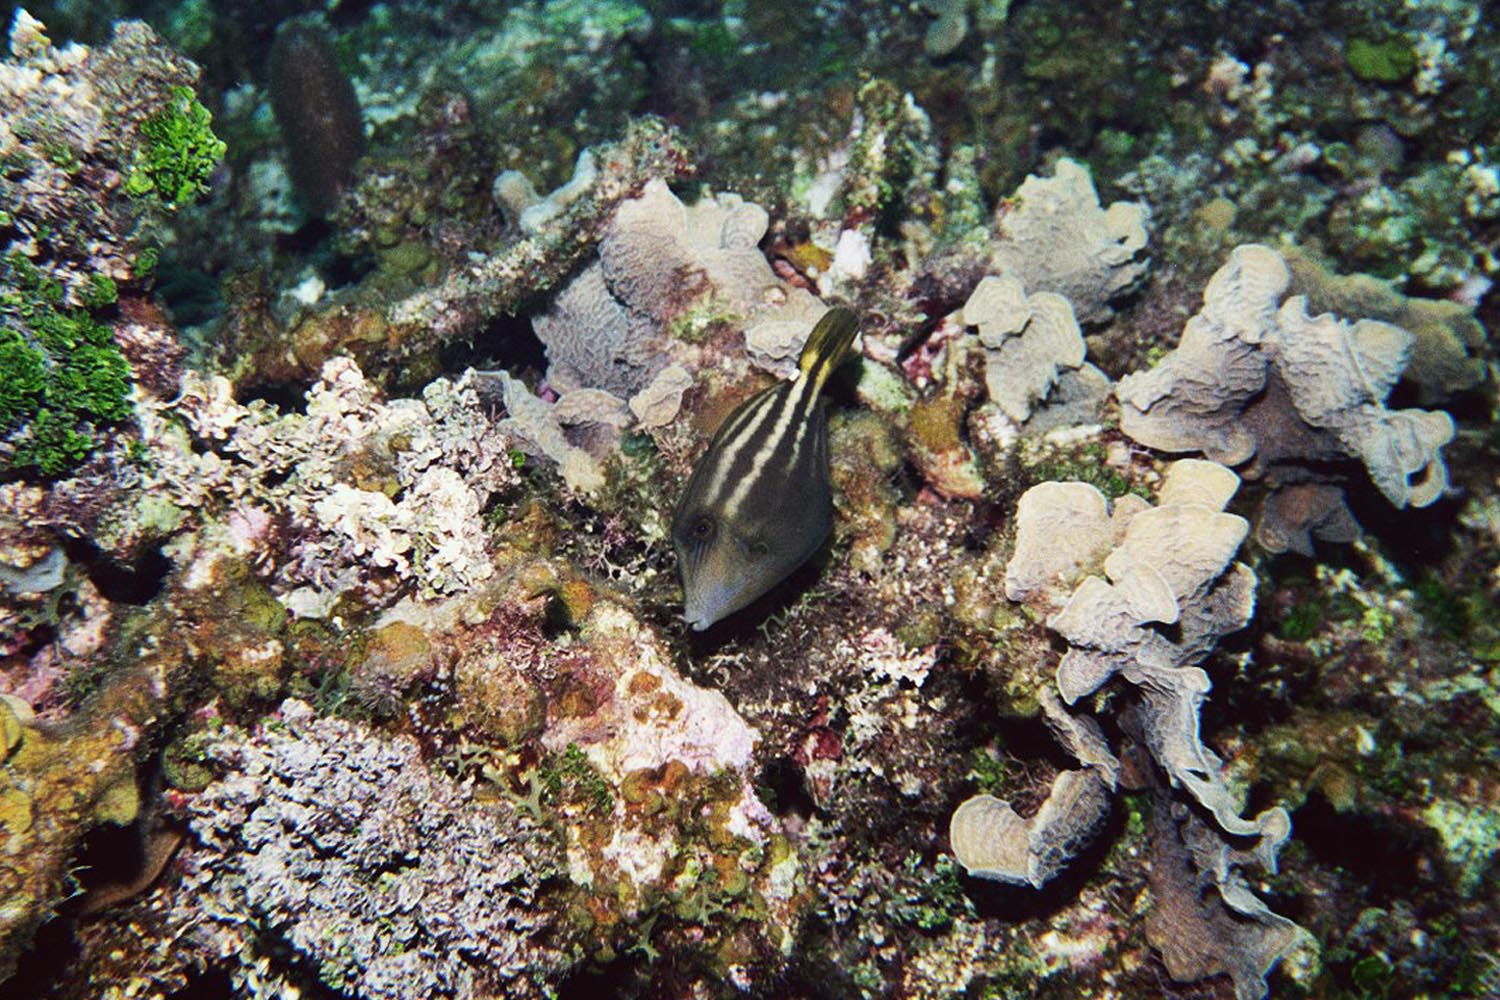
(56, 784)
(1256, 380)
(1168, 565)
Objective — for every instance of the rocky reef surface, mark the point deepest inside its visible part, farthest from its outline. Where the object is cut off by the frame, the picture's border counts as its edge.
(352, 361)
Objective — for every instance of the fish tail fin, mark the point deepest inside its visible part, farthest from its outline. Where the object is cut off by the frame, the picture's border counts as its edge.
(828, 344)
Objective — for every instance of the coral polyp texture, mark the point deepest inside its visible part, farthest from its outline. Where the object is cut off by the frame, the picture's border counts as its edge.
(1257, 380)
(319, 830)
(1167, 566)
(354, 364)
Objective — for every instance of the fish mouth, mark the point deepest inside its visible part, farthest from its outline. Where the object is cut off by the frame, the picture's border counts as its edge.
(701, 609)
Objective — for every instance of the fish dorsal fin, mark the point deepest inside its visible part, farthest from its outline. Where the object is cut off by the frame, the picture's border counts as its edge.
(827, 345)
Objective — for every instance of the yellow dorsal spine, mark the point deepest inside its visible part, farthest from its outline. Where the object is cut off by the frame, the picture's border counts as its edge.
(827, 345)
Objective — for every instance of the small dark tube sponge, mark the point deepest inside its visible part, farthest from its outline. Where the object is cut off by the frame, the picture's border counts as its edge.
(317, 112)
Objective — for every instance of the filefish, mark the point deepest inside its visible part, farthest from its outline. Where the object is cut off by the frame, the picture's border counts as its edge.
(758, 503)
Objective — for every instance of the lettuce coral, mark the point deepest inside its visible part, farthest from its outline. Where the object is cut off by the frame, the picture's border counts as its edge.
(1032, 345)
(1257, 380)
(1170, 591)
(1056, 237)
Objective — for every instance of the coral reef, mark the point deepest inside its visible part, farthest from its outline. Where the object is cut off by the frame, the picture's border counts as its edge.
(1258, 380)
(464, 300)
(1168, 564)
(94, 141)
(392, 496)
(368, 513)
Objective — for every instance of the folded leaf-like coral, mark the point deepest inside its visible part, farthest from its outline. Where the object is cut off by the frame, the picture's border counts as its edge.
(991, 840)
(1055, 236)
(1030, 342)
(1173, 566)
(1256, 378)
(607, 328)
(1169, 565)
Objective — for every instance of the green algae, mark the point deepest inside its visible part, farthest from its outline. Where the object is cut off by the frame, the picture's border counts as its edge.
(65, 376)
(571, 773)
(178, 152)
(1389, 61)
(1084, 464)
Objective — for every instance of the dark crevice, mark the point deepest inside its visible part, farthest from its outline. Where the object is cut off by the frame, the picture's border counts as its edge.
(506, 342)
(122, 583)
(286, 397)
(1390, 857)
(782, 787)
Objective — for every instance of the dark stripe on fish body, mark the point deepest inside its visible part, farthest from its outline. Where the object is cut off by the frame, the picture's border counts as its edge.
(767, 452)
(713, 459)
(737, 456)
(785, 462)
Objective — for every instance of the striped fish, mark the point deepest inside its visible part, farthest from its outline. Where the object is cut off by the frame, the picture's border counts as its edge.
(758, 503)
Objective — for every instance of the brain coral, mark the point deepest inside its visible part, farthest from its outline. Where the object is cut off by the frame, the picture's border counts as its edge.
(1255, 378)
